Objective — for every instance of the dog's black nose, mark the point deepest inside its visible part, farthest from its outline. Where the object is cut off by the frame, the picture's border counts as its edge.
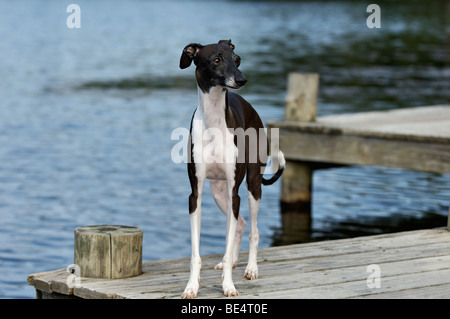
(240, 80)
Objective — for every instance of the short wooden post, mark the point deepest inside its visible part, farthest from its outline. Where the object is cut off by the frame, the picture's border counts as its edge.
(301, 106)
(108, 251)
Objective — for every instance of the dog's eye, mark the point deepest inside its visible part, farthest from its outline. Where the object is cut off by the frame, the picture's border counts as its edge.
(216, 60)
(237, 61)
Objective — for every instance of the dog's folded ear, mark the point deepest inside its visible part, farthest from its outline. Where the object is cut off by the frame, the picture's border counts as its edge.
(228, 42)
(189, 53)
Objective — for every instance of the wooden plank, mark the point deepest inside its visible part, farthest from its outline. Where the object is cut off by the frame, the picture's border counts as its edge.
(51, 280)
(330, 147)
(351, 289)
(429, 292)
(420, 124)
(431, 122)
(358, 274)
(54, 295)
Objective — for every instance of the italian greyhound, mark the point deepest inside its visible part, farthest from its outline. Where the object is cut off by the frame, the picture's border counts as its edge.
(224, 112)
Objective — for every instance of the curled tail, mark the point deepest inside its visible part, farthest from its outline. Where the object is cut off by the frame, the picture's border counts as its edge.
(276, 176)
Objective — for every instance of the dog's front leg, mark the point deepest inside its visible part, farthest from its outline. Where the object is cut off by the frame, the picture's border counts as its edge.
(195, 215)
(229, 289)
(196, 262)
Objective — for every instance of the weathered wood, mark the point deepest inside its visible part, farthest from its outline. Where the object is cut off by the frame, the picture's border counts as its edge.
(429, 292)
(108, 251)
(301, 97)
(301, 106)
(413, 264)
(297, 184)
(414, 138)
(358, 288)
(54, 295)
(420, 124)
(353, 149)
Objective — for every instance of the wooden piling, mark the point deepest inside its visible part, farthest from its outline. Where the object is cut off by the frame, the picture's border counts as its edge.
(301, 97)
(296, 185)
(108, 251)
(301, 106)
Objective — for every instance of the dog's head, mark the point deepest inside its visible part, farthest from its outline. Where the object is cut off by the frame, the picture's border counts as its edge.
(217, 64)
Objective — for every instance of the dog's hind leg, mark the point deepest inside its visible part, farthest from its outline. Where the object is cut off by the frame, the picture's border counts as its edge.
(254, 199)
(251, 272)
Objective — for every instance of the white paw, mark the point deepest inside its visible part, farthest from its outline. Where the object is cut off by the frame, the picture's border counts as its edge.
(251, 272)
(229, 290)
(190, 292)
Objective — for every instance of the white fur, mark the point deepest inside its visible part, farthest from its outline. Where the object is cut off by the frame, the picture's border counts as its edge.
(213, 142)
(251, 272)
(281, 159)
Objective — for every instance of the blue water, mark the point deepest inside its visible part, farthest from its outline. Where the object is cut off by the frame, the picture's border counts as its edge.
(86, 117)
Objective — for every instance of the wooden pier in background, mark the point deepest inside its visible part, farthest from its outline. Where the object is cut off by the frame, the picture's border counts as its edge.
(414, 264)
(413, 138)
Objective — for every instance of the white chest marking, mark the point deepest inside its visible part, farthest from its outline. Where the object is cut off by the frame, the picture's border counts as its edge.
(214, 150)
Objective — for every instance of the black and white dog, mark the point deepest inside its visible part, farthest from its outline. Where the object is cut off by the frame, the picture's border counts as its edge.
(223, 156)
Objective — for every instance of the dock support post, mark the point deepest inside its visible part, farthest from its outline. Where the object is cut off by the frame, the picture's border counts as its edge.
(301, 106)
(108, 251)
(296, 184)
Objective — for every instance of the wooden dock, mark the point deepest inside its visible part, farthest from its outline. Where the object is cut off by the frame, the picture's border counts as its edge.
(415, 138)
(414, 264)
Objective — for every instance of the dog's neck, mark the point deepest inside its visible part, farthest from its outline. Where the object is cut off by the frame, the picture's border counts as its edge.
(212, 105)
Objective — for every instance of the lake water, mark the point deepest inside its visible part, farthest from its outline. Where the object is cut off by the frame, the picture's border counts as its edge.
(86, 117)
